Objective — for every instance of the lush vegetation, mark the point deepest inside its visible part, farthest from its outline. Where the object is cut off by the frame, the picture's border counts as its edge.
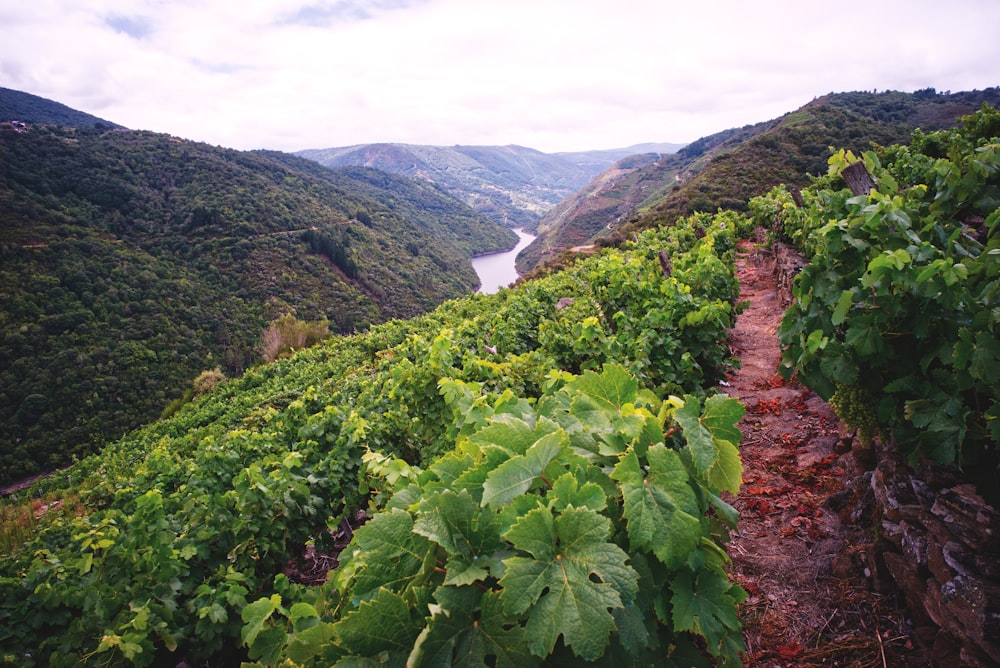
(896, 318)
(132, 261)
(570, 423)
(727, 169)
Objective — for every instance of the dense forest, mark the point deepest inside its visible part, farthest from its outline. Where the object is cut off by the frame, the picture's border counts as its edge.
(133, 261)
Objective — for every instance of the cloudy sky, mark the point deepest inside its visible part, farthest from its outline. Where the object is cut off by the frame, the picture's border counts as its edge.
(555, 75)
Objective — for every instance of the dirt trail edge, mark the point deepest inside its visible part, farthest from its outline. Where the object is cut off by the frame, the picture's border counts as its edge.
(802, 563)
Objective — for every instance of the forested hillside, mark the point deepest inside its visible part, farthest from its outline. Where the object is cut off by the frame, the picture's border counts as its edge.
(725, 170)
(511, 184)
(132, 261)
(17, 105)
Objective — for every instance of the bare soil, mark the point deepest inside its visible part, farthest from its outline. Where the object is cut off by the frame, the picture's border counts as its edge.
(810, 598)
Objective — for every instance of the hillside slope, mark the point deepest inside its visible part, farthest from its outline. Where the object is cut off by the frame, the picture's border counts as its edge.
(726, 169)
(17, 105)
(511, 184)
(131, 261)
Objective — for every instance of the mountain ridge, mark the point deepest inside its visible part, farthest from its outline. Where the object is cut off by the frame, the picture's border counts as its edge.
(726, 169)
(514, 185)
(16, 105)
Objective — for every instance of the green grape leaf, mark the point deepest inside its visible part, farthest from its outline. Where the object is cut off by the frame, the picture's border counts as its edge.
(383, 623)
(393, 555)
(706, 431)
(727, 473)
(308, 643)
(453, 521)
(602, 396)
(516, 475)
(985, 363)
(863, 336)
(706, 605)
(570, 584)
(566, 491)
(267, 646)
(843, 306)
(512, 433)
(699, 439)
(468, 628)
(661, 509)
(464, 571)
(839, 368)
(720, 417)
(254, 616)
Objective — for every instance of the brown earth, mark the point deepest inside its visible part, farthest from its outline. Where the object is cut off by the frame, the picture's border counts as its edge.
(810, 597)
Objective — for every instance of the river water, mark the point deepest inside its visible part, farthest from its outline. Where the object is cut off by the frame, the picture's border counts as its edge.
(496, 270)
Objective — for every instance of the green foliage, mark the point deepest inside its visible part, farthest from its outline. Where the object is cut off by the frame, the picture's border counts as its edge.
(569, 530)
(727, 169)
(898, 302)
(27, 108)
(287, 334)
(203, 510)
(131, 261)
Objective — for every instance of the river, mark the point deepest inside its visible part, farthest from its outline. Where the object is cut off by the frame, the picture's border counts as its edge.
(496, 270)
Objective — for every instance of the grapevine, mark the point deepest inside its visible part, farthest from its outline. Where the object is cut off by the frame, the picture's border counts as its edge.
(190, 521)
(895, 317)
(855, 405)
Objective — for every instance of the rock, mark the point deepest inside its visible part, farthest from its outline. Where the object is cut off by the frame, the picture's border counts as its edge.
(939, 543)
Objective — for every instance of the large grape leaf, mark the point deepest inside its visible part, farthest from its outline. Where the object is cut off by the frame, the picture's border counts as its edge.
(711, 436)
(383, 623)
(453, 521)
(393, 556)
(707, 605)
(611, 389)
(512, 433)
(567, 491)
(468, 628)
(570, 584)
(469, 535)
(603, 405)
(516, 475)
(661, 509)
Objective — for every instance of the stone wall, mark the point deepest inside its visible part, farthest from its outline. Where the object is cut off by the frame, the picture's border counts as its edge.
(939, 541)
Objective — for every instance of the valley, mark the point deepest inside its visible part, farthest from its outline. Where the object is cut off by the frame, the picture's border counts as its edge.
(740, 410)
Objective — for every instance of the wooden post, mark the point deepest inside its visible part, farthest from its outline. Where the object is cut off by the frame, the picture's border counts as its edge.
(858, 179)
(665, 263)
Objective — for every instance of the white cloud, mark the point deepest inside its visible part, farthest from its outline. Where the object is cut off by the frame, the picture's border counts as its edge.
(554, 75)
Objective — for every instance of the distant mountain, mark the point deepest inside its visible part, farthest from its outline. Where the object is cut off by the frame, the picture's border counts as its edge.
(132, 261)
(511, 184)
(728, 168)
(16, 105)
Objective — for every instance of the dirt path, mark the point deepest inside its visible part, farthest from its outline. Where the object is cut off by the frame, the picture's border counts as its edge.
(802, 565)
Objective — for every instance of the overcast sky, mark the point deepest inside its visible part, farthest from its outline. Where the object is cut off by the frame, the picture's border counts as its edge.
(555, 75)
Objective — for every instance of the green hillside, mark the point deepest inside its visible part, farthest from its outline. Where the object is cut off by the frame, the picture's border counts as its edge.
(725, 170)
(492, 417)
(17, 105)
(511, 184)
(132, 261)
